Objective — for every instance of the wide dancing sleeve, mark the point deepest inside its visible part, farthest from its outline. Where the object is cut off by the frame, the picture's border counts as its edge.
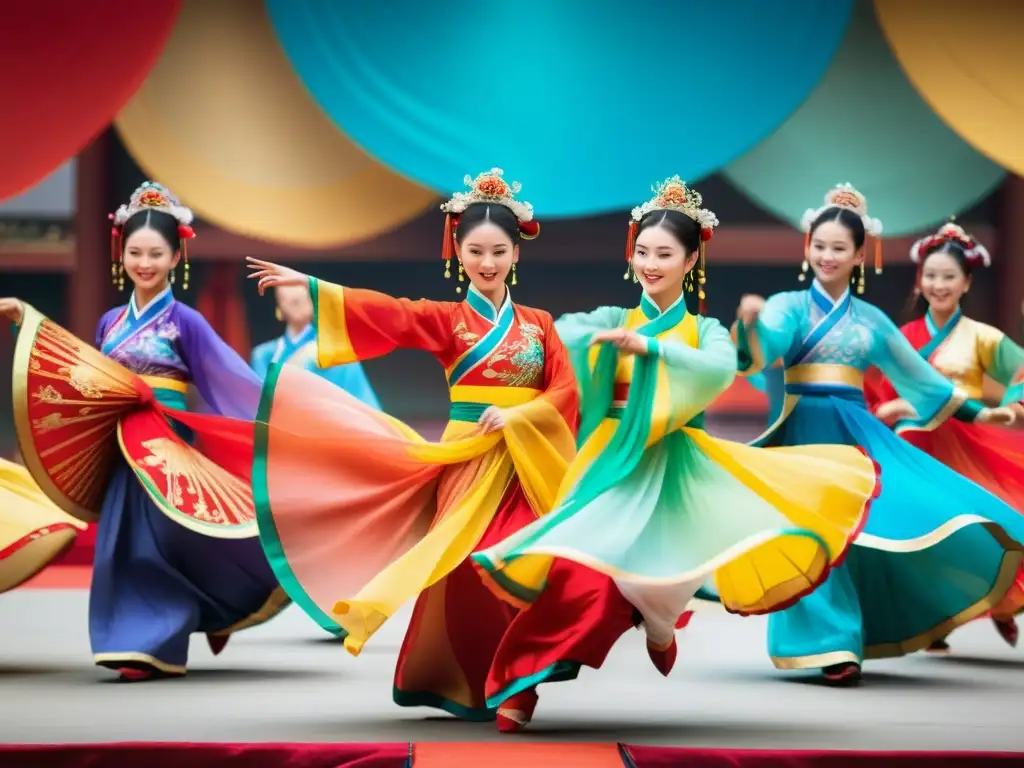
(354, 324)
(352, 378)
(696, 376)
(775, 331)
(224, 380)
(540, 434)
(932, 395)
(1003, 360)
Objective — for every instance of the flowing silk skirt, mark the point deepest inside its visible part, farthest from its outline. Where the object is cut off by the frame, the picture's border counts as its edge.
(764, 525)
(937, 551)
(993, 458)
(33, 531)
(359, 515)
(155, 583)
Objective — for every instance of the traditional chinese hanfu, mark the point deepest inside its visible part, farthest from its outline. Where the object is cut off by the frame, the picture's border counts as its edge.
(937, 549)
(33, 530)
(107, 436)
(966, 351)
(359, 514)
(300, 349)
(662, 507)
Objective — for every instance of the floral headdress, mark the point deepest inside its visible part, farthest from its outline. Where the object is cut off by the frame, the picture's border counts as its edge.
(672, 194)
(488, 187)
(975, 252)
(845, 196)
(158, 197)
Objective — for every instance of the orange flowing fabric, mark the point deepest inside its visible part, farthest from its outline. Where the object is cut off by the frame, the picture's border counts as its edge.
(359, 514)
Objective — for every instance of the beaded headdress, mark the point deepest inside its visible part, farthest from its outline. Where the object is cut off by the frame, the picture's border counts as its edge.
(845, 196)
(150, 195)
(672, 194)
(488, 187)
(974, 252)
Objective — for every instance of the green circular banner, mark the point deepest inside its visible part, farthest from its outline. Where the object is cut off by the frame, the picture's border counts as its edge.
(865, 124)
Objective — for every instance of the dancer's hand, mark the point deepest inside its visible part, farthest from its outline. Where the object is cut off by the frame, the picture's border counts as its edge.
(13, 310)
(271, 275)
(493, 420)
(895, 410)
(628, 342)
(750, 309)
(1002, 416)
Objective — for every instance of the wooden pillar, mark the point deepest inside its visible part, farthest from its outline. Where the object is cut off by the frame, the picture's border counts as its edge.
(221, 302)
(89, 290)
(1009, 257)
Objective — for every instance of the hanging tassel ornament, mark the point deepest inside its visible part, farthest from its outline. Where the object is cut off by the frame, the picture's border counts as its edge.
(702, 263)
(115, 250)
(630, 247)
(448, 245)
(186, 233)
(878, 256)
(805, 266)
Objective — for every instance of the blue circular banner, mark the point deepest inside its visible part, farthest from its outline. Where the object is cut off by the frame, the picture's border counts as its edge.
(585, 103)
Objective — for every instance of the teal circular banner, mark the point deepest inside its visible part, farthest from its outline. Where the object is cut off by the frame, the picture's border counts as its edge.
(865, 124)
(586, 102)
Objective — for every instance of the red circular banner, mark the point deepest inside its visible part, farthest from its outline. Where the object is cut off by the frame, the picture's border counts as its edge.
(65, 74)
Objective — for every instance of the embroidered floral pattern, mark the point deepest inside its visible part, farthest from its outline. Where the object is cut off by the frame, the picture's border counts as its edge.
(525, 357)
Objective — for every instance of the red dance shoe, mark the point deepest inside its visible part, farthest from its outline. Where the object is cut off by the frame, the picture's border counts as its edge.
(217, 642)
(844, 675)
(131, 675)
(517, 711)
(664, 658)
(1007, 629)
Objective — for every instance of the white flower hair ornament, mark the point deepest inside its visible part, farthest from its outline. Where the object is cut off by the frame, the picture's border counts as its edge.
(975, 252)
(844, 196)
(150, 195)
(673, 194)
(488, 187)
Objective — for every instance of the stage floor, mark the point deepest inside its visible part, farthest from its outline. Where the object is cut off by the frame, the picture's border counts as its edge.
(284, 682)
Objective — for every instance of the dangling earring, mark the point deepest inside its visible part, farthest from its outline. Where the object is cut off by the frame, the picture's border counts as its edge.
(171, 278)
(120, 277)
(515, 280)
(277, 315)
(861, 280)
(462, 278)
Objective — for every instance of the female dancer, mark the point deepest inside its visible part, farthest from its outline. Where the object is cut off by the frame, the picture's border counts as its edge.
(297, 345)
(33, 531)
(358, 513)
(652, 500)
(897, 592)
(176, 551)
(965, 351)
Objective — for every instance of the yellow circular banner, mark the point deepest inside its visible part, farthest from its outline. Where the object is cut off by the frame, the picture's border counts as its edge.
(966, 59)
(224, 122)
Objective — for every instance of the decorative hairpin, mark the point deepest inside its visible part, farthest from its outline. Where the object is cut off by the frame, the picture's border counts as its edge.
(672, 194)
(156, 196)
(974, 252)
(845, 196)
(488, 187)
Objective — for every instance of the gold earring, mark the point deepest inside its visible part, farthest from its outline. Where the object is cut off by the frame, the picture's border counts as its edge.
(515, 281)
(803, 271)
(277, 315)
(861, 280)
(462, 277)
